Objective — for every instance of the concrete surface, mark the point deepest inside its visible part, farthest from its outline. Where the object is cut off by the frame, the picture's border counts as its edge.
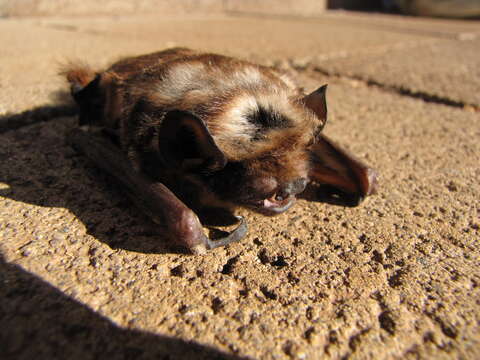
(445, 69)
(98, 40)
(84, 276)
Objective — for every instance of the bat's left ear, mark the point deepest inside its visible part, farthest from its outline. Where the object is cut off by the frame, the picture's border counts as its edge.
(184, 140)
(317, 102)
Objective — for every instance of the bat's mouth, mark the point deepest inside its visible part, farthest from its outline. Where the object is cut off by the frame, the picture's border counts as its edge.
(273, 205)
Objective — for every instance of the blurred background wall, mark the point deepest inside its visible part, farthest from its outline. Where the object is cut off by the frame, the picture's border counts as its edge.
(442, 8)
(85, 7)
(111, 7)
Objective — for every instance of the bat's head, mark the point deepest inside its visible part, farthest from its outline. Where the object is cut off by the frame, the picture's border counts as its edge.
(254, 154)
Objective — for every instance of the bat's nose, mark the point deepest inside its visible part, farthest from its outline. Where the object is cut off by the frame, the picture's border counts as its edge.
(291, 188)
(298, 186)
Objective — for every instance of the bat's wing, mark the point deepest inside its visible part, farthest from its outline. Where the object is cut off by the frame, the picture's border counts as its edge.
(337, 176)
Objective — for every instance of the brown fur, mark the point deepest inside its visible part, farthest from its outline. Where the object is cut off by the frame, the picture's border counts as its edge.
(78, 74)
(251, 124)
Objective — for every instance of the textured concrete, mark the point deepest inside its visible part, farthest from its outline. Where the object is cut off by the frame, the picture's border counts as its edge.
(454, 29)
(383, 49)
(446, 69)
(84, 275)
(443, 62)
(31, 59)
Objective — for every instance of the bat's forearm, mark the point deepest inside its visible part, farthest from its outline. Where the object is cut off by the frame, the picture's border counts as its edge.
(153, 198)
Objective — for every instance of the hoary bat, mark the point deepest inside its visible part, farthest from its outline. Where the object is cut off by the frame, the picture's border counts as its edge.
(204, 132)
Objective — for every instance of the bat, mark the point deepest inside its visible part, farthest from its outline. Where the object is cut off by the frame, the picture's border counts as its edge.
(192, 133)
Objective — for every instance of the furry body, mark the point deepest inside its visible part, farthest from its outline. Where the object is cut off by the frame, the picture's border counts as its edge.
(217, 131)
(254, 114)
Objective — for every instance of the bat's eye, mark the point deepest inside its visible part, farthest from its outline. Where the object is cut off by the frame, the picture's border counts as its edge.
(280, 196)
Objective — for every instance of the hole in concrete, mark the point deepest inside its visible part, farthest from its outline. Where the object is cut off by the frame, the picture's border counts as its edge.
(257, 242)
(229, 266)
(268, 293)
(178, 271)
(396, 279)
(264, 257)
(279, 261)
(448, 330)
(217, 305)
(386, 322)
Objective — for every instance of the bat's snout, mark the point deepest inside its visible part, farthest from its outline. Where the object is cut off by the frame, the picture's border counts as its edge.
(283, 198)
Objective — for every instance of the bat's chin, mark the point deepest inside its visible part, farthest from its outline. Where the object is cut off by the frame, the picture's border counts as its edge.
(271, 206)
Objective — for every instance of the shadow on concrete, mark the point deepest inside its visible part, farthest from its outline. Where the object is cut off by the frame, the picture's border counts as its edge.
(40, 322)
(39, 168)
(28, 117)
(363, 5)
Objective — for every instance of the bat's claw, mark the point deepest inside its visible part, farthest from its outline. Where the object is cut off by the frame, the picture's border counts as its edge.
(236, 235)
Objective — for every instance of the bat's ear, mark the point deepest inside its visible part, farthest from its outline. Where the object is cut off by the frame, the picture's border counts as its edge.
(185, 141)
(317, 102)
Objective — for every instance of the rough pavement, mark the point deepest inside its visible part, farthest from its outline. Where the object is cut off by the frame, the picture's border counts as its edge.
(83, 274)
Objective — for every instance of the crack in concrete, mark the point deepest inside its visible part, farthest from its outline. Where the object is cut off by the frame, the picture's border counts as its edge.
(363, 22)
(422, 95)
(49, 112)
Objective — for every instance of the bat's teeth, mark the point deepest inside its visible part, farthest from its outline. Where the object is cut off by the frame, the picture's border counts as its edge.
(273, 202)
(272, 207)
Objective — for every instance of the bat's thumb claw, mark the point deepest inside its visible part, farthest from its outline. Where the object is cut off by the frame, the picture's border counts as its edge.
(236, 235)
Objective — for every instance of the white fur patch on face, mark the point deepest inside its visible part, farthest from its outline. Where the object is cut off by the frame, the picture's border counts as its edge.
(235, 123)
(236, 129)
(278, 102)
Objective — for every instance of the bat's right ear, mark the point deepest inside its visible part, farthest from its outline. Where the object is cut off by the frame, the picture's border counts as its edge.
(184, 140)
(317, 102)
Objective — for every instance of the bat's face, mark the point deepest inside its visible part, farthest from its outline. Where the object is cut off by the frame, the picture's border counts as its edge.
(268, 185)
(264, 170)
